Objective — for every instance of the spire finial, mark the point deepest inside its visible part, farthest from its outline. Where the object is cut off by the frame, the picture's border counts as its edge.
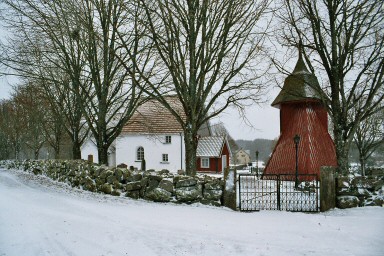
(300, 65)
(300, 48)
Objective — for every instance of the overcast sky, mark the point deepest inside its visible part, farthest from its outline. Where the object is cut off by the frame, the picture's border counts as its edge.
(5, 88)
(264, 119)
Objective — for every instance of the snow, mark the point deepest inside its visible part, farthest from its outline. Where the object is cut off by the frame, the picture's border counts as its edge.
(229, 184)
(42, 217)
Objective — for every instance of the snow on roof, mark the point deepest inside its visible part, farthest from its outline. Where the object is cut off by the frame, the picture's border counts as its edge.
(210, 146)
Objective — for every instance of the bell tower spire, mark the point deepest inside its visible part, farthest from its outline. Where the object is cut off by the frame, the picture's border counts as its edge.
(300, 65)
(300, 85)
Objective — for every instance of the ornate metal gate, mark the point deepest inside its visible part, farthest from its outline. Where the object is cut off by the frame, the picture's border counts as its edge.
(279, 192)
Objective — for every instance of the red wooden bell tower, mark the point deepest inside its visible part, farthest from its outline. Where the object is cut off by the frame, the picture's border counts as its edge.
(301, 113)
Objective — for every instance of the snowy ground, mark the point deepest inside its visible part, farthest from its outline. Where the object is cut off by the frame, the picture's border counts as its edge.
(40, 217)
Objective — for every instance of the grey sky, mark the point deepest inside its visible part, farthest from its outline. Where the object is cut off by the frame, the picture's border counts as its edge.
(264, 119)
(5, 88)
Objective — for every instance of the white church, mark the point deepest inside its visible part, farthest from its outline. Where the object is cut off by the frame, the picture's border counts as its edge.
(153, 134)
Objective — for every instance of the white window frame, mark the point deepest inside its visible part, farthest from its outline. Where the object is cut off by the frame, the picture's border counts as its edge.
(165, 158)
(168, 139)
(204, 162)
(140, 155)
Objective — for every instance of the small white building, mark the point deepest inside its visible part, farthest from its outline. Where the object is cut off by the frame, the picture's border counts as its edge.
(153, 134)
(242, 157)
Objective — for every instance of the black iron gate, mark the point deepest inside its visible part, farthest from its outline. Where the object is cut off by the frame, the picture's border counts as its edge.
(279, 192)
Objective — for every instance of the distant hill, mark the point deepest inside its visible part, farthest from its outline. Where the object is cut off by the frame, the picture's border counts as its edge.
(264, 146)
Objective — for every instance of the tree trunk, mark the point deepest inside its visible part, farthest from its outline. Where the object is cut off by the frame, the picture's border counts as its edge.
(362, 165)
(36, 154)
(76, 150)
(190, 140)
(342, 159)
(342, 150)
(17, 151)
(57, 149)
(57, 152)
(103, 154)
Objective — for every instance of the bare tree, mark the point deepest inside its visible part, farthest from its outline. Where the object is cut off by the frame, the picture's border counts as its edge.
(11, 130)
(75, 59)
(5, 150)
(32, 110)
(369, 137)
(53, 127)
(112, 96)
(44, 47)
(65, 110)
(344, 39)
(208, 53)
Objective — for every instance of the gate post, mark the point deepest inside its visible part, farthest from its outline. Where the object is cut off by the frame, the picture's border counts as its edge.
(327, 188)
(229, 195)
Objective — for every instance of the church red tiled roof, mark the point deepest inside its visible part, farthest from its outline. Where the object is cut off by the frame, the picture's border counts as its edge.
(153, 118)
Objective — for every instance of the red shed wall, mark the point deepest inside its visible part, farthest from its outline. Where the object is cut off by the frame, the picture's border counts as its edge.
(215, 164)
(225, 151)
(212, 165)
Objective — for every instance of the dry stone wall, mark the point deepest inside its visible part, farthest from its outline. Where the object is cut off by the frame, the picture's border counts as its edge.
(161, 186)
(354, 191)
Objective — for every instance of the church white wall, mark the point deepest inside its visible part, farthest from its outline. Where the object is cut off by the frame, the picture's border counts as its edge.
(154, 146)
(89, 148)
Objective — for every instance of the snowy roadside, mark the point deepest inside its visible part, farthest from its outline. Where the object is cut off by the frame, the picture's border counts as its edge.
(39, 216)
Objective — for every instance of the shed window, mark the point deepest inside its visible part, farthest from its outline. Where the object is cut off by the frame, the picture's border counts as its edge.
(140, 154)
(204, 162)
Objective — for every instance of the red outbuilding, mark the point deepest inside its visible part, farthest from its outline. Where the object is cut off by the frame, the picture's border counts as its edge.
(302, 113)
(212, 154)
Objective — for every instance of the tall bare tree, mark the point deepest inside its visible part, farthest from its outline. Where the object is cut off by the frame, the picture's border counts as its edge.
(209, 54)
(344, 40)
(64, 99)
(76, 60)
(112, 96)
(11, 129)
(32, 109)
(53, 126)
(369, 137)
(44, 46)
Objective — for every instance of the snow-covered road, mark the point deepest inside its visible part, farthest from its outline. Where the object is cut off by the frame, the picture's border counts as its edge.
(41, 217)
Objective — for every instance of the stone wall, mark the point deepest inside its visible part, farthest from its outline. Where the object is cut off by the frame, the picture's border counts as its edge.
(354, 191)
(161, 186)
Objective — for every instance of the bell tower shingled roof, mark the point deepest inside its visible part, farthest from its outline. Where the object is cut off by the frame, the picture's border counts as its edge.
(299, 86)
